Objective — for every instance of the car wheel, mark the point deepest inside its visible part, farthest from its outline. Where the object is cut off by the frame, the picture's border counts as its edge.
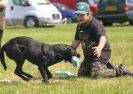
(107, 23)
(131, 22)
(31, 22)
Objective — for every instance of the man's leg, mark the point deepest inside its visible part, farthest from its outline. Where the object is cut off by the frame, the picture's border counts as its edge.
(96, 69)
(99, 69)
(84, 70)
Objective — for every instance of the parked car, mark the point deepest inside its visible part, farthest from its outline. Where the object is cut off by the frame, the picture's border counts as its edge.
(33, 13)
(71, 4)
(66, 12)
(115, 11)
(93, 6)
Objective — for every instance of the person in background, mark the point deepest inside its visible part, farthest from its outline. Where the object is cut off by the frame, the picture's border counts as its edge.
(2, 18)
(96, 47)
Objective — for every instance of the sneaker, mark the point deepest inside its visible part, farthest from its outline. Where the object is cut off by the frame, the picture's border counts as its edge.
(124, 70)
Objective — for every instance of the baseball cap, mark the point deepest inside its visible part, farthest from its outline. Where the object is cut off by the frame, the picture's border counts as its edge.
(82, 8)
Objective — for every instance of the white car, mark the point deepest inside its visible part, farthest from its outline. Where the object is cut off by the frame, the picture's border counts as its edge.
(32, 13)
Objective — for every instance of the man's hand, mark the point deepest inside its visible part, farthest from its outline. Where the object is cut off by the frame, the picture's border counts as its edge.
(96, 51)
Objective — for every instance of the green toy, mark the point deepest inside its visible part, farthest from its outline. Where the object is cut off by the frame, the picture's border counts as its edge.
(65, 74)
(75, 61)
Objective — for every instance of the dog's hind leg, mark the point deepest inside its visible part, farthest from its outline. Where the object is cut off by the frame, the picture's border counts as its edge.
(27, 75)
(18, 71)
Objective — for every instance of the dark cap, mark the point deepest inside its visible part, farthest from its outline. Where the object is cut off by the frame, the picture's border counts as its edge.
(82, 8)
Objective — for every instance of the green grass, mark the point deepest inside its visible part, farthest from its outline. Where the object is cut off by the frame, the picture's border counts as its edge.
(121, 40)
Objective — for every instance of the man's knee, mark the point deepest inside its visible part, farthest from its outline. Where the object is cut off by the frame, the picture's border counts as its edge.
(84, 70)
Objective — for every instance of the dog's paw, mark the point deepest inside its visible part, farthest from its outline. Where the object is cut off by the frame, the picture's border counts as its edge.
(25, 79)
(45, 81)
(30, 76)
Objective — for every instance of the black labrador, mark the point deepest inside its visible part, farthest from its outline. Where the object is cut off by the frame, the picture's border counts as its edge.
(41, 54)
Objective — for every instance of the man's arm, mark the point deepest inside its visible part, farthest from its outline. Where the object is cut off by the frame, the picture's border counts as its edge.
(102, 42)
(98, 49)
(75, 44)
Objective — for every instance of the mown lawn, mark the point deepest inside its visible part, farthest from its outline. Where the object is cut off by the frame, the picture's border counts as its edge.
(121, 40)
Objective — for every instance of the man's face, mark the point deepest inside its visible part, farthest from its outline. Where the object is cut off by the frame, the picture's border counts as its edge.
(83, 18)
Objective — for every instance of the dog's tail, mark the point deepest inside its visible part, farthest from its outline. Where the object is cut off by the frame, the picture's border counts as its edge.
(2, 57)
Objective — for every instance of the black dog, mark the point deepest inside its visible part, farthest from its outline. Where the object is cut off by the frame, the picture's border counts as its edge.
(40, 54)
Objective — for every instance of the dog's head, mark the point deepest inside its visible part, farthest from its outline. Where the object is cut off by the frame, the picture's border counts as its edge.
(69, 52)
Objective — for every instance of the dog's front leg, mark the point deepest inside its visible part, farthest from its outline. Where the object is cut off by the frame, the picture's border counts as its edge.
(44, 74)
(49, 73)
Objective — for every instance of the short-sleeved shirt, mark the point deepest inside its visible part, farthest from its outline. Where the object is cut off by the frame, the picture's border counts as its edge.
(2, 18)
(89, 34)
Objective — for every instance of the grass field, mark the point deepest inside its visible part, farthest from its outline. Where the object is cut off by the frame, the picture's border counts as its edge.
(121, 40)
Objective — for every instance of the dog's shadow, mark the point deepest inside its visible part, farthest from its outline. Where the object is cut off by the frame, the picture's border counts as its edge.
(56, 78)
(39, 80)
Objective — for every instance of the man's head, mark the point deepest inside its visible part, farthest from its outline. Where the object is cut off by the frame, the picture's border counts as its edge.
(83, 12)
(82, 8)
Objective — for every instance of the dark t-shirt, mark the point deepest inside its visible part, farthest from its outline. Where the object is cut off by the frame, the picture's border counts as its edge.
(89, 35)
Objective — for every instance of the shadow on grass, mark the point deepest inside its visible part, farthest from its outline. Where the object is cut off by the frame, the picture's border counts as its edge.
(22, 27)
